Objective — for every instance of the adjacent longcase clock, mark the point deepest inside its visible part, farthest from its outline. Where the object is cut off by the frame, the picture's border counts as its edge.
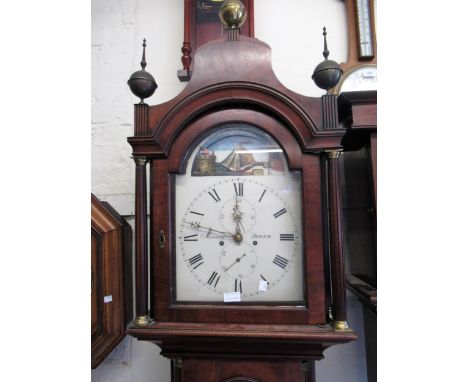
(201, 25)
(245, 264)
(360, 69)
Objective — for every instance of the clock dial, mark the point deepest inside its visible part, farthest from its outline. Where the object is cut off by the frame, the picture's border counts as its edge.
(360, 79)
(239, 233)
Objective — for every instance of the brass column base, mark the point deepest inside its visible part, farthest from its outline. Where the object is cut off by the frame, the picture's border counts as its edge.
(142, 321)
(341, 326)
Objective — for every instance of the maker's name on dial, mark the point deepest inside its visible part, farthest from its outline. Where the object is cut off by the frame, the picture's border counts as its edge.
(260, 236)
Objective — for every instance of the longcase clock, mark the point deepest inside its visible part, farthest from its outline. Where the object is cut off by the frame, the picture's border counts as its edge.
(201, 25)
(245, 265)
(360, 68)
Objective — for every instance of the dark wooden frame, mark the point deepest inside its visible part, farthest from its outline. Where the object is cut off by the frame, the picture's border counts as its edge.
(111, 276)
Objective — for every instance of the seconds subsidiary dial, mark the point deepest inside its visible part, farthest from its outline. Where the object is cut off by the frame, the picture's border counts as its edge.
(239, 237)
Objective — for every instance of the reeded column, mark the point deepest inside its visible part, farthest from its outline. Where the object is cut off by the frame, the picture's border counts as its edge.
(141, 119)
(141, 243)
(336, 243)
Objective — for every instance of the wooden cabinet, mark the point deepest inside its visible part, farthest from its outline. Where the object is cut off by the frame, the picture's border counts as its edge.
(358, 113)
(111, 299)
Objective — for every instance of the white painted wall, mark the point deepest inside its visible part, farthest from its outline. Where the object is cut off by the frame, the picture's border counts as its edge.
(294, 31)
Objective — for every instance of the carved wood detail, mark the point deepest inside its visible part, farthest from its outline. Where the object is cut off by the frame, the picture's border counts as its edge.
(226, 79)
(329, 112)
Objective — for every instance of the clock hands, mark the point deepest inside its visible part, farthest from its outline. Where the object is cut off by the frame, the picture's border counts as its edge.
(235, 262)
(237, 216)
(197, 225)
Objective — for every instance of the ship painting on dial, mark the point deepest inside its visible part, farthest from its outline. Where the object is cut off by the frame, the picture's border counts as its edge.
(238, 221)
(248, 153)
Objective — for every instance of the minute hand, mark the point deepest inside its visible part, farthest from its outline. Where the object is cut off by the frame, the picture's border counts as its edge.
(196, 226)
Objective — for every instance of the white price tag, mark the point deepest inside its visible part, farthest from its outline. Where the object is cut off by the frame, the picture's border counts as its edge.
(263, 286)
(107, 299)
(232, 297)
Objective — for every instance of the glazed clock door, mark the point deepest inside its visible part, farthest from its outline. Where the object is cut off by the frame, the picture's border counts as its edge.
(237, 228)
(238, 222)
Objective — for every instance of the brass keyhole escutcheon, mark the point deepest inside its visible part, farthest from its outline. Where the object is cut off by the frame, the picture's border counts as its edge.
(162, 239)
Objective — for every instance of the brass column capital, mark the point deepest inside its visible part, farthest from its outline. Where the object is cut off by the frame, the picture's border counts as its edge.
(178, 362)
(334, 154)
(140, 161)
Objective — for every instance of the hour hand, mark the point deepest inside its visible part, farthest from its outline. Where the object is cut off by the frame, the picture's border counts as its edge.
(237, 216)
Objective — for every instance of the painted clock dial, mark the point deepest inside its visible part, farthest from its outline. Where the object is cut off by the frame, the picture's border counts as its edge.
(238, 221)
(359, 79)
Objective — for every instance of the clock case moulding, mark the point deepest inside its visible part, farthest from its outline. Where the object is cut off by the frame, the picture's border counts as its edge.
(233, 81)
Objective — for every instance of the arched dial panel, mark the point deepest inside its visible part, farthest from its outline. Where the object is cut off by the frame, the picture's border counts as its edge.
(238, 221)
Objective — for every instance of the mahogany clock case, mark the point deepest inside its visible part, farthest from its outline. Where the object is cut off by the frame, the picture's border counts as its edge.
(233, 83)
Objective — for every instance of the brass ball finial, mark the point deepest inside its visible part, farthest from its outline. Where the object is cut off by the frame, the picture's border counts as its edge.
(328, 73)
(142, 83)
(232, 13)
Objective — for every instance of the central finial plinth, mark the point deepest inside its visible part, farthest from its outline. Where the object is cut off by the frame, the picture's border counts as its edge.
(232, 13)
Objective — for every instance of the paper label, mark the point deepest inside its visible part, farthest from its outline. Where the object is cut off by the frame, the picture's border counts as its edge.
(107, 299)
(263, 286)
(232, 297)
